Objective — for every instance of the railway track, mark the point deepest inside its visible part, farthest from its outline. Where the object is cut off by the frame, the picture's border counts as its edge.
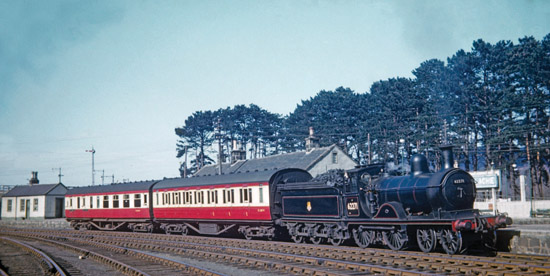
(23, 259)
(293, 258)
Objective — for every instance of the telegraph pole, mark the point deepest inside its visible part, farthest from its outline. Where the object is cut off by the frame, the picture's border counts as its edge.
(93, 169)
(219, 137)
(59, 175)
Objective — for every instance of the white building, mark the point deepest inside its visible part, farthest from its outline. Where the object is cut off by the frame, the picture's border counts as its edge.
(34, 201)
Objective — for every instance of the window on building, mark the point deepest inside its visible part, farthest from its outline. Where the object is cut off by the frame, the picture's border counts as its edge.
(334, 158)
(126, 201)
(22, 205)
(137, 200)
(105, 201)
(116, 203)
(35, 205)
(10, 203)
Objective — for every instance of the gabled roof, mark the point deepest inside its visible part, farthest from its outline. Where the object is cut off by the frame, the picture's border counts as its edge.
(34, 190)
(301, 160)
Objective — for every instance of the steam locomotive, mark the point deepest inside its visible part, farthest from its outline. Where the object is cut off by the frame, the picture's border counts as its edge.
(365, 205)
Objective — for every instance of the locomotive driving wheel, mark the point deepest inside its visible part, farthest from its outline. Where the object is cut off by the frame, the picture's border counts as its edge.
(451, 241)
(363, 238)
(395, 239)
(426, 239)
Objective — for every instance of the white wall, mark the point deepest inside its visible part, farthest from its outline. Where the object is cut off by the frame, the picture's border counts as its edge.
(515, 209)
(343, 162)
(16, 212)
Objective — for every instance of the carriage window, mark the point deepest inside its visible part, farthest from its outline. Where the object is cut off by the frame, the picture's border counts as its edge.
(97, 202)
(137, 200)
(208, 196)
(105, 201)
(126, 201)
(145, 200)
(246, 195)
(78, 203)
(216, 197)
(91, 202)
(83, 202)
(261, 194)
(115, 201)
(232, 196)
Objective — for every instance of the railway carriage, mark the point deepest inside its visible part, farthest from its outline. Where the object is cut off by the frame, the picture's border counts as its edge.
(213, 205)
(110, 207)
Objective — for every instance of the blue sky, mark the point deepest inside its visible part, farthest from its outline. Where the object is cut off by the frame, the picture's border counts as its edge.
(121, 75)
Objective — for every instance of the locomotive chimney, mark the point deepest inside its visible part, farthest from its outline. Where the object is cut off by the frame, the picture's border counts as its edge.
(34, 178)
(447, 154)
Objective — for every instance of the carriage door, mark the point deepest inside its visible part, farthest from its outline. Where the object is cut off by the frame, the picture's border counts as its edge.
(27, 208)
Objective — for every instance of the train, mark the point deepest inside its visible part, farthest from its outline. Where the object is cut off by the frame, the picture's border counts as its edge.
(364, 205)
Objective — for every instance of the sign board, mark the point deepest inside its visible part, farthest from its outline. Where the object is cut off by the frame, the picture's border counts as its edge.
(486, 179)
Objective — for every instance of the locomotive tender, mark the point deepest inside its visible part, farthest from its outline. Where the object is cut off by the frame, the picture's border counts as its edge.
(423, 208)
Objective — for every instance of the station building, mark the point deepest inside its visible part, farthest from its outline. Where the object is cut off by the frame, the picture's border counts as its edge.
(34, 201)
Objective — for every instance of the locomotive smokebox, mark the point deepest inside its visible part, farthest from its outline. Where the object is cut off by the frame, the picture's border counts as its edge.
(447, 154)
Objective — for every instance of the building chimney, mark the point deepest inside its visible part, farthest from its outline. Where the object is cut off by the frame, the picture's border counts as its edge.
(312, 142)
(237, 153)
(34, 178)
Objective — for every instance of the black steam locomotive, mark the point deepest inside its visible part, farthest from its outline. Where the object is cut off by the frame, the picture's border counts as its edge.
(423, 209)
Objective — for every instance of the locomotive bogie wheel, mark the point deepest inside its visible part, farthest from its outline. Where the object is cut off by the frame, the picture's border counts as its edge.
(451, 241)
(335, 241)
(363, 238)
(395, 240)
(426, 239)
(316, 240)
(298, 239)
